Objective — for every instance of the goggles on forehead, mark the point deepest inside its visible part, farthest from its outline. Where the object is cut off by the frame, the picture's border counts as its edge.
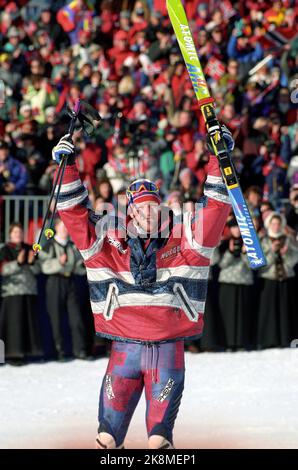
(142, 185)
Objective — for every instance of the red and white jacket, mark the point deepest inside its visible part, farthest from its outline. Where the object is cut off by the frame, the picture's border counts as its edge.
(152, 296)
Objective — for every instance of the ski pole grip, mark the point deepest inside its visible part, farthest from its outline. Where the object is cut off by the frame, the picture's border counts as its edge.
(219, 146)
(75, 113)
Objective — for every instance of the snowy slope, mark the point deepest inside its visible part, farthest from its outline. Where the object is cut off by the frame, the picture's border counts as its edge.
(240, 400)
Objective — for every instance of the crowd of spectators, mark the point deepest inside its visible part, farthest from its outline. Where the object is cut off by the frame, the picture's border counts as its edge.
(123, 58)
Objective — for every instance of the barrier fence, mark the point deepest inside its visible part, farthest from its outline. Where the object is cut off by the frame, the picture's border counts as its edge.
(28, 210)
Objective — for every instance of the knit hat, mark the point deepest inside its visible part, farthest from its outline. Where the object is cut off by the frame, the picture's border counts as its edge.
(142, 190)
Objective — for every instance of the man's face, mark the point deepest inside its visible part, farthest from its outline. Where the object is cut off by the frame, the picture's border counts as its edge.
(145, 215)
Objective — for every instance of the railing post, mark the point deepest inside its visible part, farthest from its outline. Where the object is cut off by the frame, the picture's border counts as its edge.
(26, 203)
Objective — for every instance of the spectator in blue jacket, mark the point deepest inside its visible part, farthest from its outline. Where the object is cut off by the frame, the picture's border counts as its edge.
(241, 48)
(13, 175)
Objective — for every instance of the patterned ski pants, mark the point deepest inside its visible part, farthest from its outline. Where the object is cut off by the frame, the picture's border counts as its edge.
(159, 368)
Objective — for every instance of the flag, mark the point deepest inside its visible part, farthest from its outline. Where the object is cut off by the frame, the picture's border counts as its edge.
(214, 68)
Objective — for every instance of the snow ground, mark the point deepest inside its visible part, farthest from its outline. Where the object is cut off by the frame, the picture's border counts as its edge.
(231, 400)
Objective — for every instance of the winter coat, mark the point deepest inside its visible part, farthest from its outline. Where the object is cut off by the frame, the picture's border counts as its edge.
(151, 295)
(17, 279)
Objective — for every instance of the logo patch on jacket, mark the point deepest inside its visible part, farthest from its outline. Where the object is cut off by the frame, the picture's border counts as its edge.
(117, 244)
(171, 252)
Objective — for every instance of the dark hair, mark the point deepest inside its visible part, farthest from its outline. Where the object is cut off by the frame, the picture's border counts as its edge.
(268, 204)
(14, 225)
(253, 189)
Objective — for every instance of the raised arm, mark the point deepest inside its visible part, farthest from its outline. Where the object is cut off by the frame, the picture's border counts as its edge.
(86, 229)
(209, 221)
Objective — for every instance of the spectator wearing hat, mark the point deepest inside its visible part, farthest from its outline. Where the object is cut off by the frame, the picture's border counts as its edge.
(13, 175)
(277, 316)
(19, 328)
(11, 78)
(236, 304)
(201, 18)
(25, 111)
(14, 41)
(40, 94)
(48, 23)
(240, 48)
(160, 49)
(96, 57)
(124, 20)
(154, 25)
(120, 51)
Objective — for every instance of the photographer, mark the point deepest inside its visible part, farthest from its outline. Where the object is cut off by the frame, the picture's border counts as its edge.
(19, 327)
(277, 324)
(235, 293)
(13, 175)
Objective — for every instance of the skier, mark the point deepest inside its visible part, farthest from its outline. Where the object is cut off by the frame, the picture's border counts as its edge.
(147, 292)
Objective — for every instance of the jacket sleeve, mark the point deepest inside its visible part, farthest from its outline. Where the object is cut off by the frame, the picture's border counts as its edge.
(10, 267)
(212, 212)
(86, 229)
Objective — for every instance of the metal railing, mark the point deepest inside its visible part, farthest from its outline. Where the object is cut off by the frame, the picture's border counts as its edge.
(27, 210)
